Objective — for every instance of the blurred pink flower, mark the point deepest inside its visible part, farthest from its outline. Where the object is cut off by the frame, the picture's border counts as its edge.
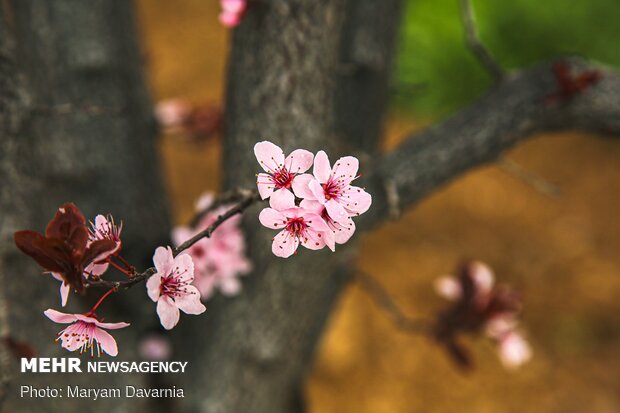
(155, 347)
(85, 332)
(170, 287)
(298, 226)
(332, 188)
(281, 173)
(220, 259)
(480, 306)
(172, 113)
(232, 12)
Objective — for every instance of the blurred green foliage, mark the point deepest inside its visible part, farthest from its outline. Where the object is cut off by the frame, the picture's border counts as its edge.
(436, 73)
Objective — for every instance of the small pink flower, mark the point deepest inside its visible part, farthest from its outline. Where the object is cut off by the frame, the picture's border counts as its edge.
(298, 226)
(104, 228)
(232, 12)
(85, 332)
(332, 187)
(514, 350)
(220, 260)
(155, 347)
(170, 287)
(281, 173)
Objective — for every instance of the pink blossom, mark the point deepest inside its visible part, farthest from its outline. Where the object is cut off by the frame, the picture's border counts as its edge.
(298, 226)
(85, 332)
(220, 259)
(332, 187)
(232, 12)
(170, 287)
(104, 228)
(281, 173)
(155, 347)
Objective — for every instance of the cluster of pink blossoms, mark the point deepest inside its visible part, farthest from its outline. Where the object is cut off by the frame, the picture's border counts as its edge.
(220, 259)
(232, 12)
(313, 210)
(479, 305)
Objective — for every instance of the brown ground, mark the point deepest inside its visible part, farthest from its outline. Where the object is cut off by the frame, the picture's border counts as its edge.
(561, 252)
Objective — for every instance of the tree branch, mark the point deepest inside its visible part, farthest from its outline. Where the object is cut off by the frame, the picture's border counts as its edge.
(472, 38)
(246, 199)
(386, 302)
(508, 114)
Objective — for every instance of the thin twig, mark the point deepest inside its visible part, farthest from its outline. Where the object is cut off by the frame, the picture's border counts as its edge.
(538, 183)
(386, 302)
(472, 38)
(226, 198)
(250, 198)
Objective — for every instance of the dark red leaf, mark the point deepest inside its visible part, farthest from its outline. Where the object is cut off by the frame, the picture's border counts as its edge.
(36, 246)
(19, 349)
(96, 249)
(69, 225)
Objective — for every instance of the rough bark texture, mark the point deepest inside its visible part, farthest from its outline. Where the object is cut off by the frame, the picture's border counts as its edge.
(75, 125)
(299, 71)
(509, 113)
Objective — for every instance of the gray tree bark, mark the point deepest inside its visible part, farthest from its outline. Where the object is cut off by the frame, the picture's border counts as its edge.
(75, 125)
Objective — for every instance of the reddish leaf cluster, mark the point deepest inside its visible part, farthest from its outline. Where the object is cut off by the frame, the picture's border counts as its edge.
(65, 248)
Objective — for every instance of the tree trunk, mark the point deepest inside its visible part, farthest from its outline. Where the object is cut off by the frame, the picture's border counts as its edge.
(295, 66)
(75, 125)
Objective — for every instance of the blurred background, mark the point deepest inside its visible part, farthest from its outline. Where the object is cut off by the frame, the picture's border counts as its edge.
(561, 252)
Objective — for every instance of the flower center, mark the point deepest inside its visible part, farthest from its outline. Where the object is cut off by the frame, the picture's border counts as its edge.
(331, 189)
(283, 178)
(172, 285)
(296, 226)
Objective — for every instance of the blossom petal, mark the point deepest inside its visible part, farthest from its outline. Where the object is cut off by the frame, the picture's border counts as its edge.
(282, 199)
(271, 218)
(153, 286)
(312, 206)
(301, 188)
(317, 191)
(163, 260)
(230, 286)
(65, 289)
(233, 6)
(345, 169)
(448, 287)
(190, 303)
(106, 341)
(356, 200)
(514, 350)
(314, 240)
(322, 170)
(265, 185)
(343, 231)
(284, 245)
(183, 267)
(299, 161)
(168, 312)
(483, 277)
(315, 221)
(181, 234)
(58, 317)
(112, 326)
(269, 156)
(336, 211)
(330, 240)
